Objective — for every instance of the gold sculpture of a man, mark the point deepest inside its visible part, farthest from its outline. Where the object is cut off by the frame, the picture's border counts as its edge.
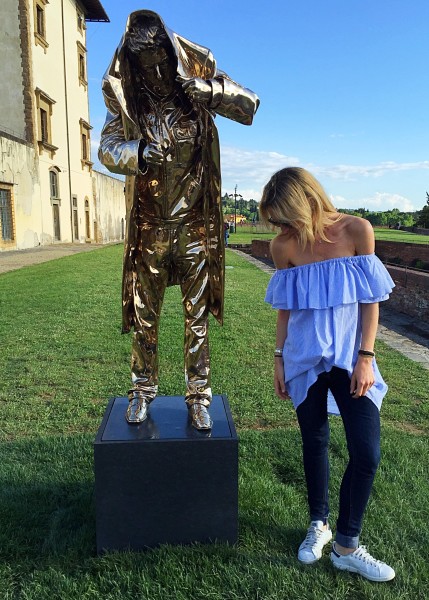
(161, 93)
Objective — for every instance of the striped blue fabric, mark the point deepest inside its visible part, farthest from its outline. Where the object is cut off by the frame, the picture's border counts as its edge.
(324, 328)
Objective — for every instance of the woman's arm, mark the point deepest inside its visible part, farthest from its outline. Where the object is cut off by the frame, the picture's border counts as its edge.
(280, 249)
(279, 374)
(363, 373)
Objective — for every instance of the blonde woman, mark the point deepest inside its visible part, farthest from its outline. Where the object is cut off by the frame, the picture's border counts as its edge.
(326, 289)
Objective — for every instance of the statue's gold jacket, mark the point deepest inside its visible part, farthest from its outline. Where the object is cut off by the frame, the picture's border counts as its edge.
(121, 136)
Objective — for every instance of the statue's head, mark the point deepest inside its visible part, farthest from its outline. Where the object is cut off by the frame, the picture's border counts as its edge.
(150, 51)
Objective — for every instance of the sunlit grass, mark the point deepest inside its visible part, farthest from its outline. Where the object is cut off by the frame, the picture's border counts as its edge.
(62, 358)
(246, 233)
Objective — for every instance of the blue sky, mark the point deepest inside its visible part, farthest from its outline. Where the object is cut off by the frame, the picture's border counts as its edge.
(344, 89)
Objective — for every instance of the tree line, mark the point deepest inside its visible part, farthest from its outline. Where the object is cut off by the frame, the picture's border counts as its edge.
(394, 217)
(389, 218)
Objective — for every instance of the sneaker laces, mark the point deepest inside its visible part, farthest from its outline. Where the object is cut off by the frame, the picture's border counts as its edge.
(362, 554)
(312, 537)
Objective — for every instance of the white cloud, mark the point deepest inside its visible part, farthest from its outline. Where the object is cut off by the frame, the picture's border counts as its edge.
(380, 201)
(250, 170)
(258, 165)
(253, 165)
(353, 172)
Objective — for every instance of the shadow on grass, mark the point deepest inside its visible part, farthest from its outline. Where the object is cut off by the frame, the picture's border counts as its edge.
(47, 533)
(47, 499)
(47, 506)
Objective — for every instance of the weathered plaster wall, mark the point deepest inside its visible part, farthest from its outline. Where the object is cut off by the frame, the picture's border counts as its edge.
(19, 167)
(12, 112)
(109, 207)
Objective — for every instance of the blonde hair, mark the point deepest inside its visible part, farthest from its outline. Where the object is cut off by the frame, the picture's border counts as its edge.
(295, 198)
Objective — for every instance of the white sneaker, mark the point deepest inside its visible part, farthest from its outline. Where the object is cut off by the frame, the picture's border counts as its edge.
(311, 548)
(360, 561)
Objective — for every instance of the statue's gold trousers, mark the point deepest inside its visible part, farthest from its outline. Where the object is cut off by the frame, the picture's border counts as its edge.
(167, 248)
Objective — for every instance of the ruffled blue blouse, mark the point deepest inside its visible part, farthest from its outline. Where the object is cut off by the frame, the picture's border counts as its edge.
(324, 328)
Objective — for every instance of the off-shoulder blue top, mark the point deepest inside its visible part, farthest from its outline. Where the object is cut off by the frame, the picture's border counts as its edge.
(324, 328)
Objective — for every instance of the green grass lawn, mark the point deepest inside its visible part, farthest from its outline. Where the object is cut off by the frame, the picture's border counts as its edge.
(63, 357)
(246, 233)
(394, 235)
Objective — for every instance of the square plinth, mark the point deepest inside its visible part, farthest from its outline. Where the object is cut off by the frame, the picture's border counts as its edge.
(163, 481)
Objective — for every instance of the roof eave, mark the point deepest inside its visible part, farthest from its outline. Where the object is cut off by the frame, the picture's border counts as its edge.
(94, 11)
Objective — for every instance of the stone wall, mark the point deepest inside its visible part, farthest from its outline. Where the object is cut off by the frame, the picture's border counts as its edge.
(411, 294)
(402, 252)
(261, 249)
(27, 73)
(397, 252)
(418, 230)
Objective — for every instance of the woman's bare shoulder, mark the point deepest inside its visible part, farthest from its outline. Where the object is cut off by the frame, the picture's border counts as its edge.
(281, 248)
(361, 232)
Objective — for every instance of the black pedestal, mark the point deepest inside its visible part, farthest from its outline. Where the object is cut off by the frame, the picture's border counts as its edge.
(163, 481)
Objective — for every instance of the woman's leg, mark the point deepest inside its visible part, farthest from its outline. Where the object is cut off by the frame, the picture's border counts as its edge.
(361, 420)
(313, 421)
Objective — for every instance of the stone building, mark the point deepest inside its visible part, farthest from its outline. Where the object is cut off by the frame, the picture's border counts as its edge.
(49, 192)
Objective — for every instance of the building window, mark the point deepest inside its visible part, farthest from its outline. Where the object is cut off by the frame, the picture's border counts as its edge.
(80, 21)
(75, 220)
(81, 64)
(87, 221)
(44, 109)
(53, 182)
(56, 222)
(44, 129)
(82, 70)
(55, 202)
(84, 147)
(85, 143)
(7, 222)
(40, 23)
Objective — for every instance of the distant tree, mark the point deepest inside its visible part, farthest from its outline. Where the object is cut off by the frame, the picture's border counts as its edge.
(423, 215)
(407, 219)
(253, 206)
(377, 219)
(350, 211)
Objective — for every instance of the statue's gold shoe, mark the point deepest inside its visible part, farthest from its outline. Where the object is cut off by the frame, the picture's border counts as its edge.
(200, 416)
(137, 407)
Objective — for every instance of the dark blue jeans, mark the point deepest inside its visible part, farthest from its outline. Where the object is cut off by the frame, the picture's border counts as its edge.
(361, 420)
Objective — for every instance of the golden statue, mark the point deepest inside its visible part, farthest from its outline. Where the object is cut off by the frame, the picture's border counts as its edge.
(161, 93)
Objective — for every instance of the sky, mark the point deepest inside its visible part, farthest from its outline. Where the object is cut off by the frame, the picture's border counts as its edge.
(343, 84)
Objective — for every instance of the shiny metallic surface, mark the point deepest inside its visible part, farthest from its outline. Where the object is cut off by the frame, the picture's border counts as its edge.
(137, 407)
(161, 93)
(200, 417)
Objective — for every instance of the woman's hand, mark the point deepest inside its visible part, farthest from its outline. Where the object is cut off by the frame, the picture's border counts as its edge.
(279, 379)
(362, 377)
